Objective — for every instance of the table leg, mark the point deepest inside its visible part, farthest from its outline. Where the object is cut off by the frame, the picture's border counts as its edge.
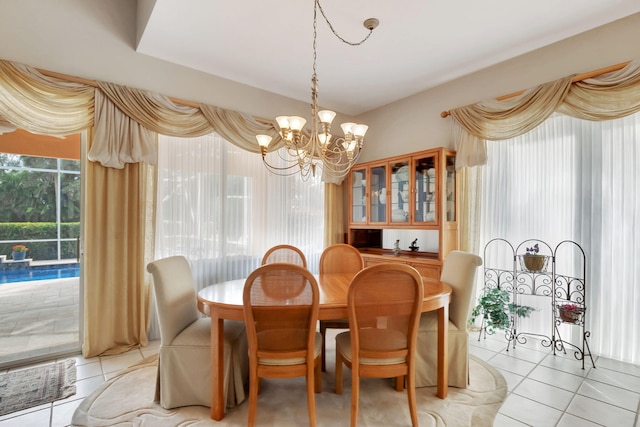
(217, 367)
(443, 352)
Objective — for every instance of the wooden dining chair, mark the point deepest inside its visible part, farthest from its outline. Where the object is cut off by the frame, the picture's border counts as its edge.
(284, 253)
(459, 271)
(337, 258)
(280, 304)
(384, 304)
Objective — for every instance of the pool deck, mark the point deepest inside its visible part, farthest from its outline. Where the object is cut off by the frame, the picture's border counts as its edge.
(54, 262)
(38, 317)
(37, 263)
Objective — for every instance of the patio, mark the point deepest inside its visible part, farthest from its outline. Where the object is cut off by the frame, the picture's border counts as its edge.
(37, 319)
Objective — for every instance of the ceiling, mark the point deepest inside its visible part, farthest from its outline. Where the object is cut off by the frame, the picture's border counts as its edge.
(419, 44)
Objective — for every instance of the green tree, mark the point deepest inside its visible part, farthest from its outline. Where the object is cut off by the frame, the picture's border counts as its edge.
(28, 196)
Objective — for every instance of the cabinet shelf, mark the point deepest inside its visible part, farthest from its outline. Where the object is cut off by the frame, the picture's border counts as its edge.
(408, 194)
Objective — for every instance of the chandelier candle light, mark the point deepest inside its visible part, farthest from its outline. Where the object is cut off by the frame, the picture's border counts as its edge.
(335, 156)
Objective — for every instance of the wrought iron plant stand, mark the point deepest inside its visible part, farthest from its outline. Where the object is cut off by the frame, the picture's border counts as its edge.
(560, 277)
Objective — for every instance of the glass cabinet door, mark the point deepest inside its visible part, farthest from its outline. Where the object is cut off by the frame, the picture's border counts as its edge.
(378, 192)
(450, 188)
(426, 189)
(400, 192)
(359, 196)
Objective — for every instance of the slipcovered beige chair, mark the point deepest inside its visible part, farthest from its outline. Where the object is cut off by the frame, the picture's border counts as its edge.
(284, 253)
(337, 258)
(184, 359)
(459, 271)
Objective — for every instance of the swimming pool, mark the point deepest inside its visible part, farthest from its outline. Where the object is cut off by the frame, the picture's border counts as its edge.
(44, 272)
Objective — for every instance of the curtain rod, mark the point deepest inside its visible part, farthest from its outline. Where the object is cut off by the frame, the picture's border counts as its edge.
(576, 78)
(93, 83)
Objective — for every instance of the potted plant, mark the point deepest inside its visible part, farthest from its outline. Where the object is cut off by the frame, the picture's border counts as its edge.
(532, 260)
(19, 252)
(570, 312)
(495, 306)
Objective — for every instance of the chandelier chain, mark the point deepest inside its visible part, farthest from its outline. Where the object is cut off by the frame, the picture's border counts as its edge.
(319, 6)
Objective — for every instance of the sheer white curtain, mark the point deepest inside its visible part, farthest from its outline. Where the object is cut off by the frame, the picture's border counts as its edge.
(571, 179)
(219, 207)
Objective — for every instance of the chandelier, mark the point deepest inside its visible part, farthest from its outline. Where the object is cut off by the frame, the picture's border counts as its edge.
(304, 151)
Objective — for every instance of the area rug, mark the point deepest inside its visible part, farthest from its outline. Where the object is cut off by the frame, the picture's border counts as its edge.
(127, 400)
(25, 388)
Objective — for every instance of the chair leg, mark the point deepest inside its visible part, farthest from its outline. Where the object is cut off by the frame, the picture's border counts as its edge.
(317, 371)
(338, 375)
(323, 332)
(411, 395)
(355, 394)
(400, 383)
(311, 397)
(253, 397)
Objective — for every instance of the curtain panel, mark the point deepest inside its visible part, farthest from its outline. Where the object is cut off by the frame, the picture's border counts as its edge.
(147, 113)
(608, 96)
(579, 180)
(117, 294)
(333, 214)
(43, 105)
(222, 210)
(52, 106)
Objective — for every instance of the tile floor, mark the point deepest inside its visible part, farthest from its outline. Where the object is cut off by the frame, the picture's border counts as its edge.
(90, 374)
(544, 390)
(547, 390)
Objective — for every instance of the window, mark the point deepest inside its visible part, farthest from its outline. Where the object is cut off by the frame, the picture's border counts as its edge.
(576, 180)
(219, 206)
(41, 198)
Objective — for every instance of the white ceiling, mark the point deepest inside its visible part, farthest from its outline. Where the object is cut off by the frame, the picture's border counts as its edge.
(418, 45)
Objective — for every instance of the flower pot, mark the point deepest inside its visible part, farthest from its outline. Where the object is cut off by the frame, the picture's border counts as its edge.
(570, 315)
(534, 263)
(18, 256)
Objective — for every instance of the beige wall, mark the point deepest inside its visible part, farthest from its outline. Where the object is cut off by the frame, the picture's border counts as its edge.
(95, 39)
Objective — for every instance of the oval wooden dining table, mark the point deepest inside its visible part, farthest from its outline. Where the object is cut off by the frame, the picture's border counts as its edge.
(223, 300)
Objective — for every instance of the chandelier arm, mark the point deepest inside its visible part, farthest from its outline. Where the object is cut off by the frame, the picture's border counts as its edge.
(305, 151)
(293, 168)
(338, 35)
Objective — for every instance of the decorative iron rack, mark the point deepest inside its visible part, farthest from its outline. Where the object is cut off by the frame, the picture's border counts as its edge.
(560, 277)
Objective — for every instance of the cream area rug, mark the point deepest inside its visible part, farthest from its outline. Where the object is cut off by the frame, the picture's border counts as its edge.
(29, 387)
(127, 400)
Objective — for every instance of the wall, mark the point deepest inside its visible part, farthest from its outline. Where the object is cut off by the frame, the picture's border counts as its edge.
(29, 144)
(96, 39)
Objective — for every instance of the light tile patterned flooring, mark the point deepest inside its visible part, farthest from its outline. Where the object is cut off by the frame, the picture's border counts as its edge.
(553, 390)
(544, 390)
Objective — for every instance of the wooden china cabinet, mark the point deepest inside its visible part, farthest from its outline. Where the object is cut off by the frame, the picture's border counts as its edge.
(411, 199)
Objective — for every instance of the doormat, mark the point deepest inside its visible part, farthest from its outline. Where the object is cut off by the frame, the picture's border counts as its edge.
(29, 387)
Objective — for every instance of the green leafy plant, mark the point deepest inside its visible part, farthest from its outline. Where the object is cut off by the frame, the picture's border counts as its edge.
(20, 248)
(495, 307)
